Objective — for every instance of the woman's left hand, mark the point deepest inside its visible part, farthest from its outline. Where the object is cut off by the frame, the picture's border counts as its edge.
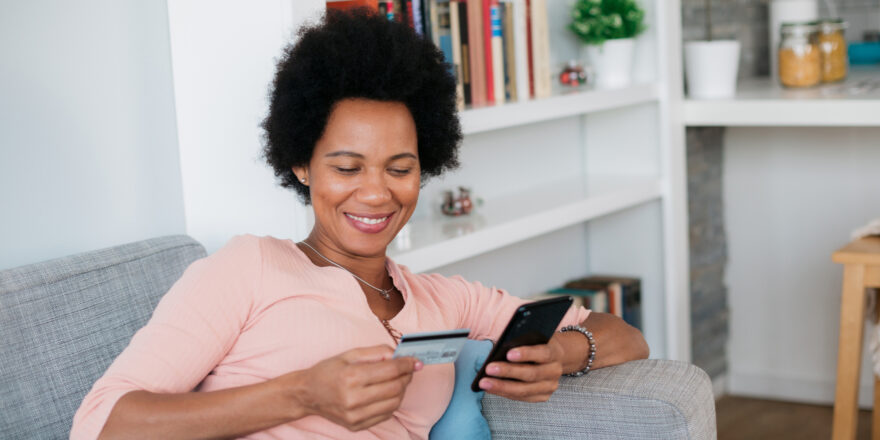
(531, 373)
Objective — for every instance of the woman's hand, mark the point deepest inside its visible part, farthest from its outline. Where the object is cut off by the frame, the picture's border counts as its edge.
(356, 389)
(531, 373)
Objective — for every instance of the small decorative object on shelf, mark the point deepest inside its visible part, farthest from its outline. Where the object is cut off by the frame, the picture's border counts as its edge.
(574, 75)
(455, 205)
(608, 29)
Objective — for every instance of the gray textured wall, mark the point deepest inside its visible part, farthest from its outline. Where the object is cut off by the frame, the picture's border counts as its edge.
(708, 250)
(88, 138)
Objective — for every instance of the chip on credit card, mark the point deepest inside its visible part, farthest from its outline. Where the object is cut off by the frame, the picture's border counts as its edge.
(433, 347)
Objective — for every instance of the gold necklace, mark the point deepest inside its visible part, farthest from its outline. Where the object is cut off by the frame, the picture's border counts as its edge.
(386, 293)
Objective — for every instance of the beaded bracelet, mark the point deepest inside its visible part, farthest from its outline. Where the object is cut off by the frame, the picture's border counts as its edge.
(592, 341)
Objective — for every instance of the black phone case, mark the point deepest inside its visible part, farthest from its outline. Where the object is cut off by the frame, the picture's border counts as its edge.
(532, 324)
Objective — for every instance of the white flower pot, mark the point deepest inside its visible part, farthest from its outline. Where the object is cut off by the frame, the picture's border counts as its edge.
(710, 68)
(611, 62)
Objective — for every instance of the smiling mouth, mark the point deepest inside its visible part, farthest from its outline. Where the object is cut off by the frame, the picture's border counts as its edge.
(369, 221)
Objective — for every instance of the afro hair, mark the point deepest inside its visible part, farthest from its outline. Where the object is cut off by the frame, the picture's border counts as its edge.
(359, 54)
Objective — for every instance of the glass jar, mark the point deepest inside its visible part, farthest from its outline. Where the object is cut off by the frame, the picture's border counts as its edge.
(832, 45)
(799, 59)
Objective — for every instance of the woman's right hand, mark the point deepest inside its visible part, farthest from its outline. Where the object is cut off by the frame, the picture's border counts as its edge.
(356, 389)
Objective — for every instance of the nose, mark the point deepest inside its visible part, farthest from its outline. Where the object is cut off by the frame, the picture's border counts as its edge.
(374, 189)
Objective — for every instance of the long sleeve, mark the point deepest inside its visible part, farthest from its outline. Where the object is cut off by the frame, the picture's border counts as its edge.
(193, 327)
(486, 311)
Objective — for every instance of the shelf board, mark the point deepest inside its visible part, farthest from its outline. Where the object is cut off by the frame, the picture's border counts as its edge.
(428, 243)
(763, 102)
(560, 105)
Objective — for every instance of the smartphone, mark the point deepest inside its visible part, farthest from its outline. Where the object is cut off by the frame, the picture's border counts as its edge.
(532, 324)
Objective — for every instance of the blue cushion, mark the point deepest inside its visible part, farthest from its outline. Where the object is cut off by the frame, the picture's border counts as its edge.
(464, 417)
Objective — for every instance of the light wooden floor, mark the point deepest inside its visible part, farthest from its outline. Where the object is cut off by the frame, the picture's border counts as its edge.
(741, 418)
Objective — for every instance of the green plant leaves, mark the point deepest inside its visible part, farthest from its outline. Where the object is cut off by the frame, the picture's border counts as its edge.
(595, 21)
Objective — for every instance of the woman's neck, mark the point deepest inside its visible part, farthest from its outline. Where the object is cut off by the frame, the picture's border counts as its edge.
(369, 267)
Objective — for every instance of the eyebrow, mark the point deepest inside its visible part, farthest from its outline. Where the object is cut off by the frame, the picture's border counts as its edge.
(361, 156)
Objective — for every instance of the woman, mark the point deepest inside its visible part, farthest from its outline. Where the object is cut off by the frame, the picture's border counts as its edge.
(294, 340)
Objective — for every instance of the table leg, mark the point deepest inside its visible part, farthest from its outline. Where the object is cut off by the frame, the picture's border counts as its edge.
(849, 354)
(875, 416)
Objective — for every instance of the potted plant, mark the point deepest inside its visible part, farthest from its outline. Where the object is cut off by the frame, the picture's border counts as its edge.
(711, 65)
(608, 29)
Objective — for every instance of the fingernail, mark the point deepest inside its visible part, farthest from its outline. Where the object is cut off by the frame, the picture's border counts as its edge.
(492, 369)
(418, 366)
(485, 384)
(514, 355)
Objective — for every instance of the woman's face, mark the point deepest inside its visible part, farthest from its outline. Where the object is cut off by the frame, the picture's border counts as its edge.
(364, 176)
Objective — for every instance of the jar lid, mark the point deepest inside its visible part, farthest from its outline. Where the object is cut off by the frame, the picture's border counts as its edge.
(830, 25)
(799, 29)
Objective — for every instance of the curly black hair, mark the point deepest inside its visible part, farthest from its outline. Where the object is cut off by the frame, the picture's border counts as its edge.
(359, 54)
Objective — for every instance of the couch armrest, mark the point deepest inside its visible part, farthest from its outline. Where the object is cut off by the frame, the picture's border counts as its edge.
(646, 399)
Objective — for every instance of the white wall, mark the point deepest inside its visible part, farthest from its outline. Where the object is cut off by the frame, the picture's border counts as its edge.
(88, 146)
(224, 55)
(792, 196)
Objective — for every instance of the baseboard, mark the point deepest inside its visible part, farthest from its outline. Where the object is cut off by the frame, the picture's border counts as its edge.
(820, 392)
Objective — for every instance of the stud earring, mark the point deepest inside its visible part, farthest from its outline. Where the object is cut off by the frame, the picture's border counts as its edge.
(303, 180)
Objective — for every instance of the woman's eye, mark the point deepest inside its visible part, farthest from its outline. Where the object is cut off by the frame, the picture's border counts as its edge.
(344, 170)
(400, 171)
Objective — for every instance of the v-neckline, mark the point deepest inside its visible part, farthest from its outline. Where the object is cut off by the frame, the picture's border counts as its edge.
(390, 266)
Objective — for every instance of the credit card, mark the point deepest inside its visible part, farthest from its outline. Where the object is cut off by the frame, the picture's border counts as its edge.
(433, 347)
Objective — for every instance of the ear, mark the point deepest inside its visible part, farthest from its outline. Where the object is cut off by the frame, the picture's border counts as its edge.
(302, 174)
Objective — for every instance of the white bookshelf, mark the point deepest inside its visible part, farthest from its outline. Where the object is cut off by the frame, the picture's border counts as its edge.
(429, 243)
(762, 102)
(563, 103)
(580, 182)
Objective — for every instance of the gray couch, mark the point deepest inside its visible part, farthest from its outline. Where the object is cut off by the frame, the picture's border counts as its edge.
(62, 322)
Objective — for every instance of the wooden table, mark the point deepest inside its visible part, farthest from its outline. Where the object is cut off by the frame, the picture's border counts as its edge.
(861, 270)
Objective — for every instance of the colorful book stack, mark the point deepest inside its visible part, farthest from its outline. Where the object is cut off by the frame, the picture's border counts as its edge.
(499, 50)
(621, 296)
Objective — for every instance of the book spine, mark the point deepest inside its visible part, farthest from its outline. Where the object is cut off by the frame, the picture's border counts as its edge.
(478, 51)
(541, 49)
(386, 8)
(416, 6)
(529, 49)
(488, 62)
(426, 20)
(444, 32)
(409, 14)
(520, 43)
(455, 31)
(434, 22)
(497, 52)
(465, 53)
(507, 14)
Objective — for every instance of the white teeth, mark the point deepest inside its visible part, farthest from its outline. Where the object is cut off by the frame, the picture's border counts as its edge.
(369, 221)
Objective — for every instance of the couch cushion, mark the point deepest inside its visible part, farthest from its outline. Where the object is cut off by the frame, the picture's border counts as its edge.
(62, 322)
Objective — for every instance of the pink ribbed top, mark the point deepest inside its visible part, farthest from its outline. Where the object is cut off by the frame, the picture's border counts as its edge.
(259, 308)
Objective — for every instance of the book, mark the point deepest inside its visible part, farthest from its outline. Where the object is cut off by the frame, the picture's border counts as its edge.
(443, 31)
(530, 62)
(477, 52)
(417, 23)
(455, 33)
(520, 49)
(433, 22)
(349, 4)
(624, 294)
(386, 8)
(595, 300)
(465, 52)
(540, 37)
(497, 36)
(488, 61)
(507, 29)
